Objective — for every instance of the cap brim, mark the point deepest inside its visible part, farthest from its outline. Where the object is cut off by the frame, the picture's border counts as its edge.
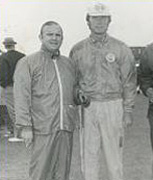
(11, 43)
(98, 14)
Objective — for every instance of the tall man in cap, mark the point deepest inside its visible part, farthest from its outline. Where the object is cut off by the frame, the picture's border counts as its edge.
(106, 74)
(45, 107)
(8, 64)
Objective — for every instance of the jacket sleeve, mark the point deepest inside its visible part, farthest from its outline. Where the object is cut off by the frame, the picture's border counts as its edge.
(146, 74)
(73, 58)
(22, 93)
(129, 79)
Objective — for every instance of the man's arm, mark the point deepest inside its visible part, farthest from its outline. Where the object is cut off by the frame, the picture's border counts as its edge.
(79, 96)
(129, 81)
(22, 98)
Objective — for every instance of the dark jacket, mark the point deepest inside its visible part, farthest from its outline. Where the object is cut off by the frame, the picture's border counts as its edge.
(146, 69)
(8, 63)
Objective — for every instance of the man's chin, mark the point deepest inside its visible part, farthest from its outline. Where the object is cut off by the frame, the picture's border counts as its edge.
(100, 32)
(53, 49)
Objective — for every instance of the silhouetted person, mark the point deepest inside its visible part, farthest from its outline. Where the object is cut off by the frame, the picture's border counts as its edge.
(8, 62)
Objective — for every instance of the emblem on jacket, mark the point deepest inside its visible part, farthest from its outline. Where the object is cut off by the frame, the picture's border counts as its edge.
(110, 57)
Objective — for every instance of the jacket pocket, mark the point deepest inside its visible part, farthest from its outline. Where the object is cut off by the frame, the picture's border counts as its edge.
(71, 116)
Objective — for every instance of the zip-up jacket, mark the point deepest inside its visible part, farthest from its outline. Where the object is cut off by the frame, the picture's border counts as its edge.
(105, 70)
(43, 90)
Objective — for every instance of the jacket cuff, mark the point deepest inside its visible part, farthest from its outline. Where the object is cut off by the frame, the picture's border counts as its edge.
(128, 109)
(21, 127)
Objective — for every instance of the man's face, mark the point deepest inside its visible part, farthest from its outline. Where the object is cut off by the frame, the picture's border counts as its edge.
(99, 24)
(51, 37)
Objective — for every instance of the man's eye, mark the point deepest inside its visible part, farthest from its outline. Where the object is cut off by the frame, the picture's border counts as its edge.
(58, 35)
(49, 34)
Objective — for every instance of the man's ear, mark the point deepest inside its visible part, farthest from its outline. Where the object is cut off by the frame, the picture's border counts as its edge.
(40, 37)
(88, 24)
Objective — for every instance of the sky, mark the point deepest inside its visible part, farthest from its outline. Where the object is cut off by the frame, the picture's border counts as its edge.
(132, 21)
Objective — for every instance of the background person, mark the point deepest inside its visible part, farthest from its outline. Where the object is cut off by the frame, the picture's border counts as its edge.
(146, 82)
(8, 63)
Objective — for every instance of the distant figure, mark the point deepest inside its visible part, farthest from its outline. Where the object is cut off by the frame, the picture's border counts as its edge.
(8, 63)
(146, 82)
(1, 52)
(3, 111)
(45, 109)
(106, 73)
(146, 85)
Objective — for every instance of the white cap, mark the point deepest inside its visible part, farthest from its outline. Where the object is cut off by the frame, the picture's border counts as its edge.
(98, 9)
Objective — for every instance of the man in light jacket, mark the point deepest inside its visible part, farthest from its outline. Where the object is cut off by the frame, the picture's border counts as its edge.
(105, 69)
(45, 108)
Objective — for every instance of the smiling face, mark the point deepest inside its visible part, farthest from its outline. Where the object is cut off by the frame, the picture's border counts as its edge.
(98, 24)
(51, 37)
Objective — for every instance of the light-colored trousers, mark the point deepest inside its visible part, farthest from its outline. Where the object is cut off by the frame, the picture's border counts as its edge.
(103, 134)
(51, 156)
(9, 99)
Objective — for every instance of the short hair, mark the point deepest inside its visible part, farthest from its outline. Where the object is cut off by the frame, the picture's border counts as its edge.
(49, 23)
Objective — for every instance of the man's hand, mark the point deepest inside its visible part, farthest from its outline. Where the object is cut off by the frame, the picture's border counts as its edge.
(27, 135)
(149, 94)
(85, 101)
(127, 119)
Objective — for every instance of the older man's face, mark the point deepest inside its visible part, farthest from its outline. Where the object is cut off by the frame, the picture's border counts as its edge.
(51, 37)
(99, 24)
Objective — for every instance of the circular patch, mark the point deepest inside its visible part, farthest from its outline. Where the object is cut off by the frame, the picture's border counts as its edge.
(110, 57)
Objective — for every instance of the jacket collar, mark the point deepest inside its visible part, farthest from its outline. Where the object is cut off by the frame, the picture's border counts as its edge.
(53, 55)
(95, 40)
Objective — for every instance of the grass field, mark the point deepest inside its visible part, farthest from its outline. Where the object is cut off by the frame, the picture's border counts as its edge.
(137, 152)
